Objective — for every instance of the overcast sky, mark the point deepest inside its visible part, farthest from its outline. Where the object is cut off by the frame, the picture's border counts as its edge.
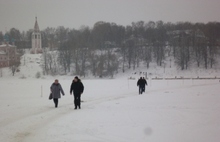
(21, 14)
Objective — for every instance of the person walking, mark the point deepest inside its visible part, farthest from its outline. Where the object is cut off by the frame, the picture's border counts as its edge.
(56, 89)
(140, 85)
(144, 84)
(77, 88)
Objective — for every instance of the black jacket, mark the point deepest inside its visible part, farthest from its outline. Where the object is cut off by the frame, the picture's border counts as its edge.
(76, 87)
(141, 82)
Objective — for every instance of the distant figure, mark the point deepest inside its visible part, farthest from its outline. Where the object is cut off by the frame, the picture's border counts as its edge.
(144, 84)
(140, 85)
(77, 88)
(55, 89)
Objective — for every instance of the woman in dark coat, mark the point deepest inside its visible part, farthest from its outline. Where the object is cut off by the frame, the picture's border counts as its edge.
(56, 89)
(77, 88)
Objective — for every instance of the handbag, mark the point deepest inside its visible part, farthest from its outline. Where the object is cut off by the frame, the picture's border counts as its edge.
(50, 96)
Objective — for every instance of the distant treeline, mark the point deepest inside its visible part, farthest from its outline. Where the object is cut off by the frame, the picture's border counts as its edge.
(107, 47)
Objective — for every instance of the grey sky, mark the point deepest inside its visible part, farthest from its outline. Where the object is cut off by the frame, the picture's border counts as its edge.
(75, 13)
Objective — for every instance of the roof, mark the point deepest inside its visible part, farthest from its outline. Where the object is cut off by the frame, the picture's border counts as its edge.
(5, 45)
(36, 27)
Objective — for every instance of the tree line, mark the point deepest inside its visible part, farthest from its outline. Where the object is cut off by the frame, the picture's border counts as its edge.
(108, 48)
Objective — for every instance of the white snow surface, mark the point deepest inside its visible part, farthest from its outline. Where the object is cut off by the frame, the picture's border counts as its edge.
(111, 111)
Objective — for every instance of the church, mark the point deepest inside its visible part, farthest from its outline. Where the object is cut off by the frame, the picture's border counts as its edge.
(36, 45)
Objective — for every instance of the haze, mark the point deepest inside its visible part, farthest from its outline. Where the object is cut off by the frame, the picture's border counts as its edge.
(21, 14)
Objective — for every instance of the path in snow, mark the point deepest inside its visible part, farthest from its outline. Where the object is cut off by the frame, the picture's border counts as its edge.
(25, 116)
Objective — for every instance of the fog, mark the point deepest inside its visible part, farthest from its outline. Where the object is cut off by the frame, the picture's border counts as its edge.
(75, 13)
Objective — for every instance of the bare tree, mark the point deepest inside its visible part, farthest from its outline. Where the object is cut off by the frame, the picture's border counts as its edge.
(93, 58)
(113, 65)
(183, 51)
(147, 55)
(123, 54)
(83, 58)
(50, 62)
(65, 56)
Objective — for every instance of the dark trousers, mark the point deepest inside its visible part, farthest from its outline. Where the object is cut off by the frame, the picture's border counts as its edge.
(55, 102)
(144, 88)
(77, 99)
(140, 89)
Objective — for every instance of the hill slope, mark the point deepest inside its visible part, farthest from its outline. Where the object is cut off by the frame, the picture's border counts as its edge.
(31, 65)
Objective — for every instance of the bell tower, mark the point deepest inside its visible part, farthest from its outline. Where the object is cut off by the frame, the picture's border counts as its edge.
(36, 39)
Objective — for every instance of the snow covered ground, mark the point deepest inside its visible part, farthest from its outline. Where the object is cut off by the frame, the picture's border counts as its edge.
(112, 111)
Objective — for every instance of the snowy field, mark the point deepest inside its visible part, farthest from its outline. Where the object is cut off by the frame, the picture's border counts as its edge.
(112, 111)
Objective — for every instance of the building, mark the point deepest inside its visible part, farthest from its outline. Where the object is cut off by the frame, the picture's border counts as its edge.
(36, 40)
(8, 55)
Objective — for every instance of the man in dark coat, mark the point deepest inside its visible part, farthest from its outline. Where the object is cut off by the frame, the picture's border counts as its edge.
(140, 85)
(55, 89)
(77, 88)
